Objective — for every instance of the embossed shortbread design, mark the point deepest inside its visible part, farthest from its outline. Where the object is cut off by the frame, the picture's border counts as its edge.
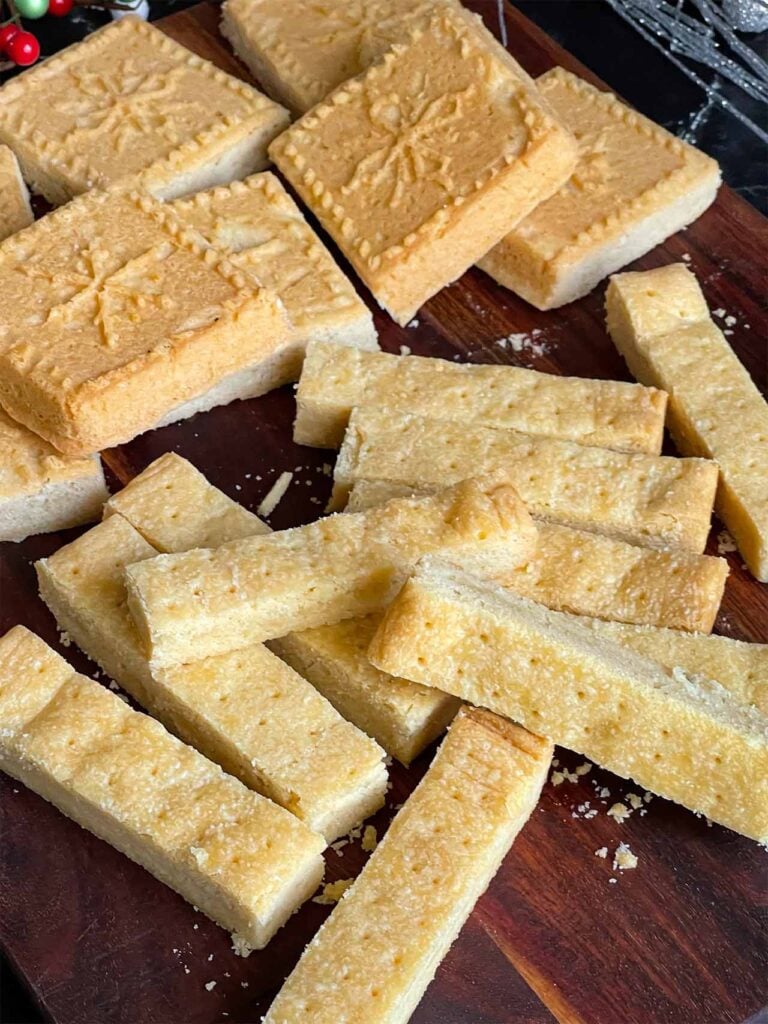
(128, 99)
(427, 158)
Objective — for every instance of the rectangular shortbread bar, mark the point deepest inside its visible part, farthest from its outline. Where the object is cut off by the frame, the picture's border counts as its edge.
(300, 52)
(682, 737)
(15, 211)
(422, 163)
(113, 313)
(740, 667)
(643, 499)
(247, 711)
(604, 413)
(402, 717)
(634, 185)
(589, 574)
(198, 603)
(42, 490)
(244, 861)
(257, 224)
(660, 323)
(375, 955)
(129, 103)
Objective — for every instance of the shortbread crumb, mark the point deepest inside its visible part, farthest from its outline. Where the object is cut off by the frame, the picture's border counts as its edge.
(624, 859)
(619, 812)
(602, 852)
(274, 495)
(370, 840)
(333, 891)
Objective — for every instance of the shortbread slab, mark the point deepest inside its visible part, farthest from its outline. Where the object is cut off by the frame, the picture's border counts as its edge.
(129, 104)
(175, 508)
(113, 313)
(650, 500)
(660, 323)
(375, 955)
(603, 413)
(422, 163)
(238, 857)
(682, 737)
(15, 211)
(199, 603)
(589, 574)
(299, 53)
(42, 490)
(634, 185)
(263, 232)
(402, 717)
(248, 712)
(740, 667)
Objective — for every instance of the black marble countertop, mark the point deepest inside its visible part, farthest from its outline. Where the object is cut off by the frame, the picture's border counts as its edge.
(599, 38)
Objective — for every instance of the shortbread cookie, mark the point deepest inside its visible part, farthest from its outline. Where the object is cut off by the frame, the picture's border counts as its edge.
(740, 667)
(403, 717)
(421, 164)
(680, 736)
(248, 711)
(650, 500)
(375, 955)
(175, 508)
(128, 103)
(634, 185)
(42, 490)
(238, 857)
(299, 52)
(604, 413)
(113, 313)
(590, 574)
(204, 602)
(15, 211)
(263, 231)
(660, 323)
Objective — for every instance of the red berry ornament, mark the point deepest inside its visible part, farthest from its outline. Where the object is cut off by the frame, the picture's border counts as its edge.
(59, 8)
(7, 32)
(31, 9)
(23, 49)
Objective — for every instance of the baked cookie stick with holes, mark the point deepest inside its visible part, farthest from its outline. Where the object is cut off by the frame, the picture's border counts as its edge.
(375, 955)
(680, 736)
(244, 861)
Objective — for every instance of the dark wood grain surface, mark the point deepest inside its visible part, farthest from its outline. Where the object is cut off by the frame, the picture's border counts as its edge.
(680, 940)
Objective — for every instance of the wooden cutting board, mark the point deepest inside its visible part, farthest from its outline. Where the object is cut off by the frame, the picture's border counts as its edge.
(559, 935)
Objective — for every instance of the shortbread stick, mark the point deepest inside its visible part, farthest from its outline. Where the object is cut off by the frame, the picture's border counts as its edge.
(741, 668)
(238, 857)
(375, 955)
(680, 736)
(605, 413)
(660, 323)
(402, 717)
(248, 711)
(652, 500)
(199, 603)
(589, 574)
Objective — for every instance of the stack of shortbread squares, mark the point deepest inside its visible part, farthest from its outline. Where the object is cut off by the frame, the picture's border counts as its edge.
(510, 557)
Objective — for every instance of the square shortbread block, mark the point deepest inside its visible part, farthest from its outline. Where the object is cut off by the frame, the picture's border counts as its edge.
(652, 500)
(238, 857)
(384, 940)
(299, 52)
(634, 185)
(402, 717)
(682, 737)
(247, 711)
(113, 313)
(129, 103)
(42, 490)
(604, 413)
(263, 231)
(660, 323)
(15, 211)
(425, 161)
